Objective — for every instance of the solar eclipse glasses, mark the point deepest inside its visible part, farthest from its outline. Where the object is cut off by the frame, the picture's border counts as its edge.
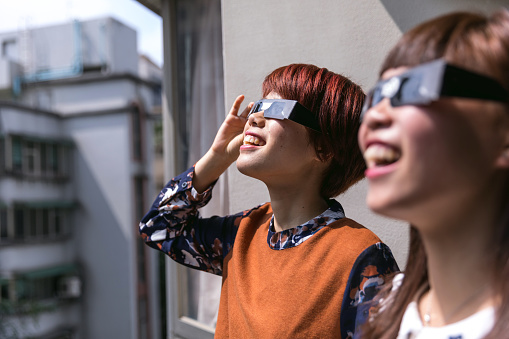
(428, 82)
(286, 109)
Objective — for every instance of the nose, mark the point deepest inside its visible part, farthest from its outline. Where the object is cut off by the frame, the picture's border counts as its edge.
(256, 119)
(378, 116)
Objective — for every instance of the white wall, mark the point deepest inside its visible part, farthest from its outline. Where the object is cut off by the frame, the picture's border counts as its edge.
(348, 37)
(105, 229)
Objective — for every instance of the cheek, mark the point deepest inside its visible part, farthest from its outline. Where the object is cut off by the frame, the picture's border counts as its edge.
(246, 126)
(295, 142)
(442, 147)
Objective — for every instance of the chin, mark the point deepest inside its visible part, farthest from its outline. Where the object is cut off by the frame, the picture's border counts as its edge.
(395, 207)
(381, 205)
(250, 169)
(244, 167)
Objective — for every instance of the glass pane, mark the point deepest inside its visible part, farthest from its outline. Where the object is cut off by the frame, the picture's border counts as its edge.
(19, 223)
(3, 223)
(45, 222)
(44, 160)
(57, 221)
(30, 157)
(2, 154)
(53, 158)
(32, 226)
(200, 79)
(17, 154)
(4, 289)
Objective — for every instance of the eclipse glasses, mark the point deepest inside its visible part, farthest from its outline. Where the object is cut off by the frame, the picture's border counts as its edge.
(286, 109)
(428, 82)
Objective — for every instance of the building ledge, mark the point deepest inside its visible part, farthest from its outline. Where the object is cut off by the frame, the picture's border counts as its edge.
(153, 5)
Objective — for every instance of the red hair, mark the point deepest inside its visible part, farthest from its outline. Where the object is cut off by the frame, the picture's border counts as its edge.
(337, 102)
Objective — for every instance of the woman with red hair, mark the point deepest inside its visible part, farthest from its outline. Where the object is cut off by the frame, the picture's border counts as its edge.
(295, 267)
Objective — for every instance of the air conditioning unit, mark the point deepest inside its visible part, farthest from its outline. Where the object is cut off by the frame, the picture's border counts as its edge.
(69, 287)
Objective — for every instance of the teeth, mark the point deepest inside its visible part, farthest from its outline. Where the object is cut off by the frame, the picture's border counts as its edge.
(252, 140)
(378, 155)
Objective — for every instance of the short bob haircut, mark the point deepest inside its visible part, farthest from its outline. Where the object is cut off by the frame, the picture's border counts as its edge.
(337, 101)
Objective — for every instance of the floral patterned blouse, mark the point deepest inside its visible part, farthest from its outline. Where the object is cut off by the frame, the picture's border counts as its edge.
(173, 225)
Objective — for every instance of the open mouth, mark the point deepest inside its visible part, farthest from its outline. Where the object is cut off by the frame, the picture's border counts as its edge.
(253, 140)
(380, 155)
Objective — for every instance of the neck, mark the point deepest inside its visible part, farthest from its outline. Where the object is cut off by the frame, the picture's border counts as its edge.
(293, 204)
(459, 270)
(460, 283)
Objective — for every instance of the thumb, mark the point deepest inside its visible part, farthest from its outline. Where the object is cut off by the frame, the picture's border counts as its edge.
(234, 146)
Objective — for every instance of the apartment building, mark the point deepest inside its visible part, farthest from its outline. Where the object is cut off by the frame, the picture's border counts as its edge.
(78, 107)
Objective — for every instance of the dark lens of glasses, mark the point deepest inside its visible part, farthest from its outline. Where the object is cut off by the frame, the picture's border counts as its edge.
(384, 89)
(256, 107)
(409, 92)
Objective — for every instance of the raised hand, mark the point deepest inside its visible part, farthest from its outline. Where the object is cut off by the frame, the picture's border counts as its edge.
(225, 149)
(229, 136)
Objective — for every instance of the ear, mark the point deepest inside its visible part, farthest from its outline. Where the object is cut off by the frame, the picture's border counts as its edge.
(320, 155)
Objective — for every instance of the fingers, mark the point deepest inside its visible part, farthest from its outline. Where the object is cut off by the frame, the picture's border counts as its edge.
(246, 110)
(236, 105)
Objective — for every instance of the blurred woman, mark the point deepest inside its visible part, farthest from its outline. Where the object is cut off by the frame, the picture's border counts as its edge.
(435, 137)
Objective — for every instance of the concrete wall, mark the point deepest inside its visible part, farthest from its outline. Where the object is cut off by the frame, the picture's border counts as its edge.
(348, 37)
(104, 232)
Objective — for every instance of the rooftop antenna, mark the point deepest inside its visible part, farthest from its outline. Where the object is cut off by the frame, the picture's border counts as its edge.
(26, 45)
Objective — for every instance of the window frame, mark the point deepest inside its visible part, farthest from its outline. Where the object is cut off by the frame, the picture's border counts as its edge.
(46, 214)
(39, 158)
(179, 325)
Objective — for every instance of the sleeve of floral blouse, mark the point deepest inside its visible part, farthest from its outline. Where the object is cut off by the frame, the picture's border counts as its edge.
(173, 226)
(367, 276)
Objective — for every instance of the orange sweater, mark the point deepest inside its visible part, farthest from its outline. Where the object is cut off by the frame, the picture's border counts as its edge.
(292, 293)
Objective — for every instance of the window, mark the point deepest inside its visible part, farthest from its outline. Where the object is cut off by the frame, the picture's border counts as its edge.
(19, 223)
(4, 289)
(37, 158)
(30, 157)
(2, 155)
(54, 154)
(9, 49)
(198, 79)
(3, 222)
(34, 221)
(42, 284)
(17, 155)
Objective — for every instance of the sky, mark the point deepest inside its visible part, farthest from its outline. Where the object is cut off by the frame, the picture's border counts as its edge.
(21, 14)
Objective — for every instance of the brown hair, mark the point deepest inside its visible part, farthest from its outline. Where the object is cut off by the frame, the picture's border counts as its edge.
(481, 44)
(337, 102)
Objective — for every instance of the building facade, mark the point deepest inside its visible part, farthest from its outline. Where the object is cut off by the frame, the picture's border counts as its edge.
(77, 112)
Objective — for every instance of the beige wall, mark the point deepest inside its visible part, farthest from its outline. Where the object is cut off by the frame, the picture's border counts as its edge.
(348, 37)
